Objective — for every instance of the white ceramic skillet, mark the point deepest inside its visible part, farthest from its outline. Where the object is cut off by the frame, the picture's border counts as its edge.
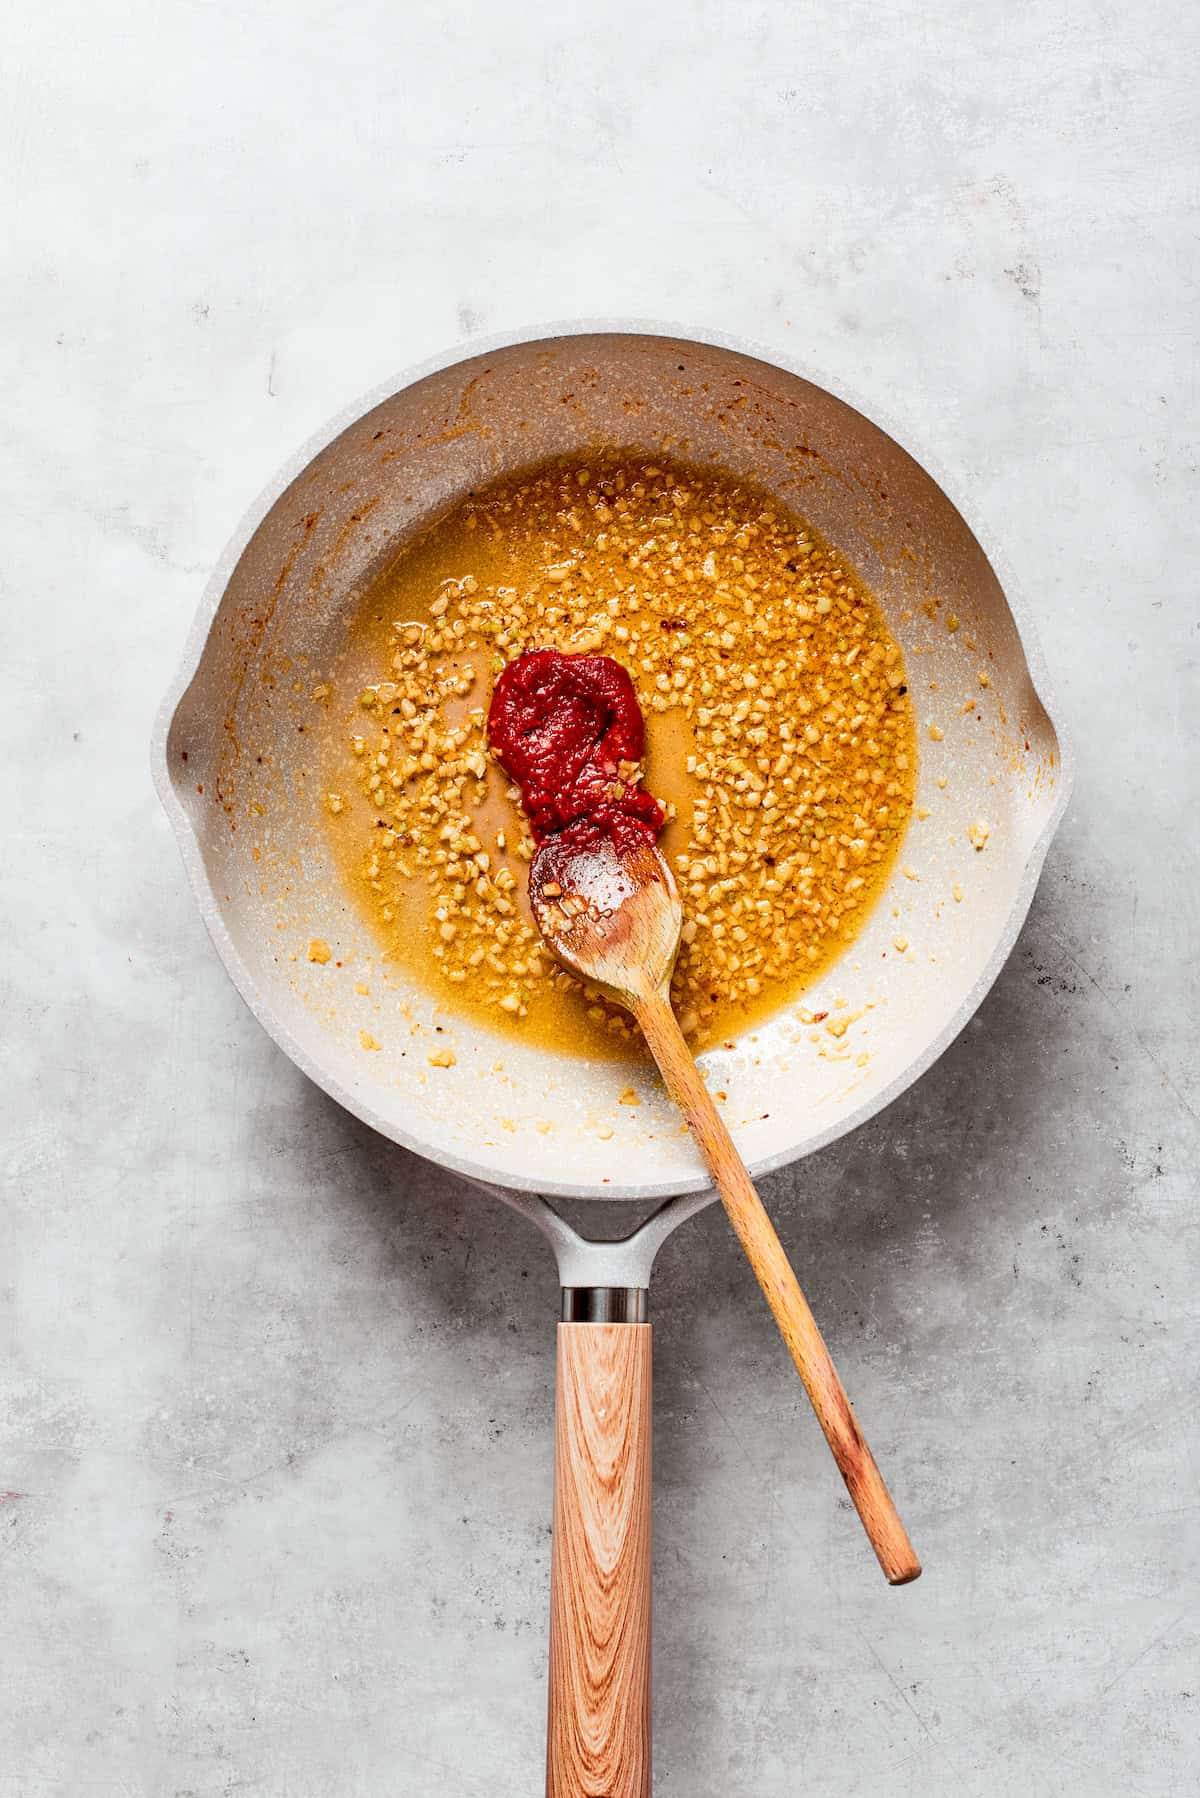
(234, 762)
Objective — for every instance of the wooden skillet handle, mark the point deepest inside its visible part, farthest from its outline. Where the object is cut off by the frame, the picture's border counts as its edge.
(598, 1737)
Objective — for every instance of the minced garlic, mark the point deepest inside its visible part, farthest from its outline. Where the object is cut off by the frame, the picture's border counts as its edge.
(777, 716)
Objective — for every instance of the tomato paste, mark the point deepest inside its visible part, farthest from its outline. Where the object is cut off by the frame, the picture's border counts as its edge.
(568, 729)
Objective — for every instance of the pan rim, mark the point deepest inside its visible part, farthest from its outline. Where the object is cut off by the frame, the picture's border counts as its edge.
(478, 1171)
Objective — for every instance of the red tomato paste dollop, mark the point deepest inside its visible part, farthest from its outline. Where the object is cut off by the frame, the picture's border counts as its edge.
(561, 726)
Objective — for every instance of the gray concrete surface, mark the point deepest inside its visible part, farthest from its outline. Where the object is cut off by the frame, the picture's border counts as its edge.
(276, 1399)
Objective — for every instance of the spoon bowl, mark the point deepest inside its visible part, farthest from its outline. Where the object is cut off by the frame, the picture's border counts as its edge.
(612, 916)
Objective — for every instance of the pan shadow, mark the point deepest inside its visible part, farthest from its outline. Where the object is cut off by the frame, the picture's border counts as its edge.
(855, 1218)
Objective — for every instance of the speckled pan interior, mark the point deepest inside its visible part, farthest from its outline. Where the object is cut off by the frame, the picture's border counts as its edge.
(237, 774)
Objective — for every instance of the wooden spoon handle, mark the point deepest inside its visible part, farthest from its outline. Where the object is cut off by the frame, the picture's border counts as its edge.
(764, 1251)
(598, 1738)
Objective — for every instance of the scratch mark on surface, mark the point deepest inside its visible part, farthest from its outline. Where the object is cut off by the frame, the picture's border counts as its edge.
(1113, 1006)
(939, 1748)
(716, 1407)
(1159, 1637)
(866, 1307)
(289, 1463)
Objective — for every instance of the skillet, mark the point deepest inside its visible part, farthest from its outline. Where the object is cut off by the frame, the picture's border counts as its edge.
(234, 770)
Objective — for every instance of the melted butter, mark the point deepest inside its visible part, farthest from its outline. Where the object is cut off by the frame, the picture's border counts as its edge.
(628, 572)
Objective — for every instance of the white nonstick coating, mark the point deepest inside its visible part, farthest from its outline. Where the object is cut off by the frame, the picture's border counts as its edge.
(237, 776)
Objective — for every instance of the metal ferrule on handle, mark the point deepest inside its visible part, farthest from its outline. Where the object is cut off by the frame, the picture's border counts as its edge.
(605, 1305)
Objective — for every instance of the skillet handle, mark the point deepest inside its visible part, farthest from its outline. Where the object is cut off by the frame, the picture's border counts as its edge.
(598, 1735)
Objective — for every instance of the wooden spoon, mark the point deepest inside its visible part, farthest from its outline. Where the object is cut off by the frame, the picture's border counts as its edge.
(613, 917)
